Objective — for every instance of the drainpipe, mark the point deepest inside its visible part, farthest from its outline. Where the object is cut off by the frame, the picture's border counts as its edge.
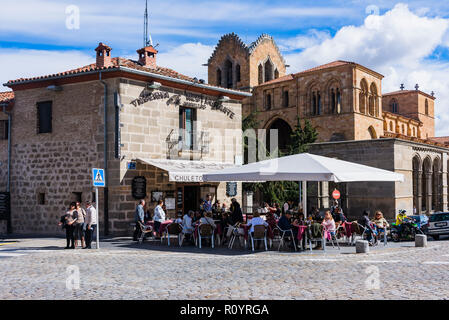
(105, 152)
(8, 184)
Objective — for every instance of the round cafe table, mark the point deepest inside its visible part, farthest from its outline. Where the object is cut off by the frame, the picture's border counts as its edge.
(163, 226)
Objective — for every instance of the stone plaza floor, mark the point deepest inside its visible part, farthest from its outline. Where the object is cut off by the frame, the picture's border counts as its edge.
(38, 268)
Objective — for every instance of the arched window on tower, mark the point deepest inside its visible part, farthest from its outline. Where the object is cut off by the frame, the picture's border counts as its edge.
(427, 107)
(276, 74)
(269, 73)
(238, 76)
(363, 96)
(228, 74)
(334, 98)
(373, 104)
(315, 101)
(219, 78)
(394, 105)
(260, 75)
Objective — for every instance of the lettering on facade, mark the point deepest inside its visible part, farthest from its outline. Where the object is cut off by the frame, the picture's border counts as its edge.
(188, 100)
(146, 96)
(186, 178)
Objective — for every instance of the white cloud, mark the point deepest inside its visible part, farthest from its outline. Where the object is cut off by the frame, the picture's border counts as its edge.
(395, 44)
(312, 38)
(15, 64)
(187, 59)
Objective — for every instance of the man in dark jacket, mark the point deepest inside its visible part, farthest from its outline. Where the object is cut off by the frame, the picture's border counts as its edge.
(236, 212)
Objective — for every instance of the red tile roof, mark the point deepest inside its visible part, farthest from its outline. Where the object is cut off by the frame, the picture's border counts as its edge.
(6, 97)
(407, 91)
(116, 63)
(333, 64)
(442, 140)
(281, 79)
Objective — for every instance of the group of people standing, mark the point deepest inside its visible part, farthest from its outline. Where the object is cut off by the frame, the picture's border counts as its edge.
(79, 225)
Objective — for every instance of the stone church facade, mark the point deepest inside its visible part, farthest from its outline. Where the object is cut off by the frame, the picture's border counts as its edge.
(354, 119)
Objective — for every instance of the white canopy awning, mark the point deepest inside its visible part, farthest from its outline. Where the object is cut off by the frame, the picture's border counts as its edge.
(304, 167)
(185, 170)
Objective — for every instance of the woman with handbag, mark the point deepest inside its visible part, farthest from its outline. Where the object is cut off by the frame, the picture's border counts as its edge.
(67, 224)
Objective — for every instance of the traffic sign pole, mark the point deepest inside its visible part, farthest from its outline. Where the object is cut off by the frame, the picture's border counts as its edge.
(98, 179)
(98, 218)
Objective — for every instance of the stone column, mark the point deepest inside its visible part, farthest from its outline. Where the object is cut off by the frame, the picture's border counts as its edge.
(419, 191)
(428, 177)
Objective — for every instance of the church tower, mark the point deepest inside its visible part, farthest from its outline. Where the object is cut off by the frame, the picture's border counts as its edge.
(235, 65)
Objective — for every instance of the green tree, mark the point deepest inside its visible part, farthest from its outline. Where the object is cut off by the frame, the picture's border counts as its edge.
(300, 140)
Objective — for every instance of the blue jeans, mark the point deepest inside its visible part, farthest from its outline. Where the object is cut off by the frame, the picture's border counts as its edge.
(90, 234)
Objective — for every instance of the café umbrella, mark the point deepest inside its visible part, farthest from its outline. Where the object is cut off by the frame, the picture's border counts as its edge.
(304, 167)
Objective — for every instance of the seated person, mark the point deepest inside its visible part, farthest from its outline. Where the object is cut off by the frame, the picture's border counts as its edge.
(187, 226)
(207, 219)
(329, 223)
(179, 219)
(256, 221)
(338, 216)
(196, 218)
(271, 220)
(284, 223)
(365, 222)
(380, 222)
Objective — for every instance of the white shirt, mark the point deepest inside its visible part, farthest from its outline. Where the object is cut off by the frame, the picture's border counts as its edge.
(187, 224)
(258, 221)
(159, 214)
(91, 216)
(286, 207)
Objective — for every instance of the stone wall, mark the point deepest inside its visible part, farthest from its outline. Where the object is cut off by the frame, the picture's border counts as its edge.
(56, 164)
(389, 154)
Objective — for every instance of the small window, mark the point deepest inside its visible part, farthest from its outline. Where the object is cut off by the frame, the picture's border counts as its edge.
(285, 100)
(427, 107)
(3, 129)
(78, 197)
(41, 199)
(268, 101)
(44, 113)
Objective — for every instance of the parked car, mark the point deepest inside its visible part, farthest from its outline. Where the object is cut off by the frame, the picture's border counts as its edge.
(422, 221)
(438, 225)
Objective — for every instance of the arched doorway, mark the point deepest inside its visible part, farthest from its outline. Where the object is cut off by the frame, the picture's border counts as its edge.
(284, 132)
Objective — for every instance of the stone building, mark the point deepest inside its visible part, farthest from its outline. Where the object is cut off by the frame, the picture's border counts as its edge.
(355, 121)
(155, 131)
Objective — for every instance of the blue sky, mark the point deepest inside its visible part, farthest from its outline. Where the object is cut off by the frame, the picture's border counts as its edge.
(406, 41)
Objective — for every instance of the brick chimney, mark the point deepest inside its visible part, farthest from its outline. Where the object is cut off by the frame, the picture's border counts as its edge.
(147, 57)
(103, 56)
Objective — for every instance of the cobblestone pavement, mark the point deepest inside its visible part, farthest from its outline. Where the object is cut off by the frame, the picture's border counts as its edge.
(37, 269)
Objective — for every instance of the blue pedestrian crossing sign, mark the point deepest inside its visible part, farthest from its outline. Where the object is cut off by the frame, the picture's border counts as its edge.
(98, 178)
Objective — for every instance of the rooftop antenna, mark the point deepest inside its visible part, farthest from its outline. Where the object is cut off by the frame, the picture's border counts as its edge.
(147, 40)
